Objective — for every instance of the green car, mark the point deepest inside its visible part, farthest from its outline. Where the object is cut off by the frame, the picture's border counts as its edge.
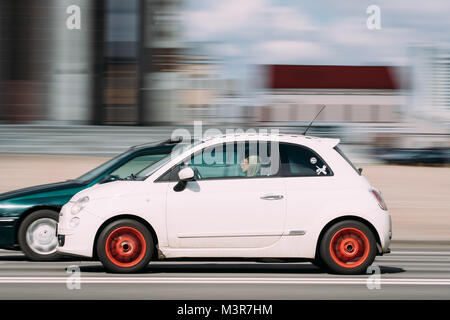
(28, 217)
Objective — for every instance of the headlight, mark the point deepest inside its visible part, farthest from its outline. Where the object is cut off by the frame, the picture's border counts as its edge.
(79, 205)
(74, 222)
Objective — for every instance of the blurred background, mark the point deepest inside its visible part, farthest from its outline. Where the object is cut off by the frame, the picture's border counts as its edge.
(91, 78)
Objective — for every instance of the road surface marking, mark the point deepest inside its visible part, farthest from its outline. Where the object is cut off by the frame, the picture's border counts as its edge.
(210, 280)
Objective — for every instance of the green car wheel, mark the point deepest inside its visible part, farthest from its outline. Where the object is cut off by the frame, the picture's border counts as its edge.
(37, 235)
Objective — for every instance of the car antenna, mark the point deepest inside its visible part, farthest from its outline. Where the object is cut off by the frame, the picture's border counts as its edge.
(323, 107)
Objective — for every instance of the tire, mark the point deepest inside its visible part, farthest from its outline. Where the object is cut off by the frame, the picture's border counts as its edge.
(348, 247)
(125, 246)
(318, 263)
(37, 236)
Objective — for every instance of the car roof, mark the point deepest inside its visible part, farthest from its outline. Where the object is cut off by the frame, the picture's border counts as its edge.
(285, 137)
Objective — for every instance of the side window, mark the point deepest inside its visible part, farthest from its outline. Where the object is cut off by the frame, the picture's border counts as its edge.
(234, 160)
(302, 161)
(218, 161)
(136, 164)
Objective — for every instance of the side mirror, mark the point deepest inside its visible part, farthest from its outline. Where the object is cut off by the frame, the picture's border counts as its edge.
(184, 175)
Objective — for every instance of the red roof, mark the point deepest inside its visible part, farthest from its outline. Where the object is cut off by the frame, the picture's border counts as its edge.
(331, 77)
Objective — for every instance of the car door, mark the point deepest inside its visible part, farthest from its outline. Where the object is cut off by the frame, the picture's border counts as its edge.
(311, 187)
(225, 207)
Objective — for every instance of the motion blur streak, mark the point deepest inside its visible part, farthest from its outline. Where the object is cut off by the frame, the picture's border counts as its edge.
(81, 81)
(407, 273)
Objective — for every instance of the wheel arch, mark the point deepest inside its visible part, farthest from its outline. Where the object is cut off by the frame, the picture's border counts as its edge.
(125, 216)
(348, 217)
(26, 213)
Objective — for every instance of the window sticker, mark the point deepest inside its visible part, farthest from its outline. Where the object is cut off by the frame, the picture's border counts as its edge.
(321, 170)
(313, 160)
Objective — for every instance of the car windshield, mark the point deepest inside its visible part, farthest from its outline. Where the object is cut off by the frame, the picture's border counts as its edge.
(179, 149)
(112, 162)
(103, 167)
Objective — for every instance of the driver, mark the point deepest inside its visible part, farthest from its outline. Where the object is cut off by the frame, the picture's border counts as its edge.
(251, 165)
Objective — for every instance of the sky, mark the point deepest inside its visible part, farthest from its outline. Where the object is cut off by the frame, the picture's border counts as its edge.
(244, 33)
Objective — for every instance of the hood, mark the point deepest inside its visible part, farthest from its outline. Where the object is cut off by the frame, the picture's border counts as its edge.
(40, 189)
(110, 189)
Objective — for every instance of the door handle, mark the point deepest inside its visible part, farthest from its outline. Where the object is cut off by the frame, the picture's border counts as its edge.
(272, 197)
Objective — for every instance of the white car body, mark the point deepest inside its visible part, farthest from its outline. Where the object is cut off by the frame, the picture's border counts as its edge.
(230, 218)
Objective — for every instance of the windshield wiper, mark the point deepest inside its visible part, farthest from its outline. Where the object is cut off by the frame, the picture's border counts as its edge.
(131, 177)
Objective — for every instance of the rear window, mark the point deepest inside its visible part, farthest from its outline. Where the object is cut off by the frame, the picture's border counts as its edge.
(300, 161)
(346, 159)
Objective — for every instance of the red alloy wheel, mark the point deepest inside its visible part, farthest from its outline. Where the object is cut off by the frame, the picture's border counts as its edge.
(125, 247)
(349, 247)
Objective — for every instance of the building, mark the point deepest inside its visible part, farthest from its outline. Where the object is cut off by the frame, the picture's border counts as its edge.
(125, 64)
(427, 110)
(360, 94)
(194, 89)
(97, 73)
(430, 90)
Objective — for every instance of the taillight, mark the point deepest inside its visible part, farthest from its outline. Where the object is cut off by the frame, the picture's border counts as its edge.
(377, 194)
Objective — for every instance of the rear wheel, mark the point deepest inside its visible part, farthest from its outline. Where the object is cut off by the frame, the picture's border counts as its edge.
(348, 247)
(125, 246)
(318, 263)
(37, 235)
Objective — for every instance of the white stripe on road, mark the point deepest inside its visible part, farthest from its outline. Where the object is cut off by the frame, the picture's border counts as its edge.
(419, 253)
(176, 280)
(411, 262)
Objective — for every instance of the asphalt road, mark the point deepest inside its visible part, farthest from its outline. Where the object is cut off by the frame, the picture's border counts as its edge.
(418, 272)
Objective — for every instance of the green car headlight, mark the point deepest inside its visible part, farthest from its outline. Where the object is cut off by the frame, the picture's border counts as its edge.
(79, 205)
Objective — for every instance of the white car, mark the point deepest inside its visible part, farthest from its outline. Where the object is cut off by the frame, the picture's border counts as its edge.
(234, 196)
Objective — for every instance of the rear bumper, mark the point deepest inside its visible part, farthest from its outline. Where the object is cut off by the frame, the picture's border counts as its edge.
(386, 241)
(383, 226)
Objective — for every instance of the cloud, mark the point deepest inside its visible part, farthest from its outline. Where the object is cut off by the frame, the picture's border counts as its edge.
(245, 32)
(285, 51)
(286, 19)
(420, 7)
(255, 30)
(354, 43)
(223, 17)
(243, 18)
(354, 32)
(224, 49)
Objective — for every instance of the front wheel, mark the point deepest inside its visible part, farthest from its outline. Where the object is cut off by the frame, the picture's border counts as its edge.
(348, 247)
(125, 246)
(37, 235)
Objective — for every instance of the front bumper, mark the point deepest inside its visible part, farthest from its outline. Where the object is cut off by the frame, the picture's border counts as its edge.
(61, 240)
(80, 240)
(8, 232)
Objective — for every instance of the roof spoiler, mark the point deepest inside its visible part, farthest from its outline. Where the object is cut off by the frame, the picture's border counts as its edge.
(331, 142)
(172, 140)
